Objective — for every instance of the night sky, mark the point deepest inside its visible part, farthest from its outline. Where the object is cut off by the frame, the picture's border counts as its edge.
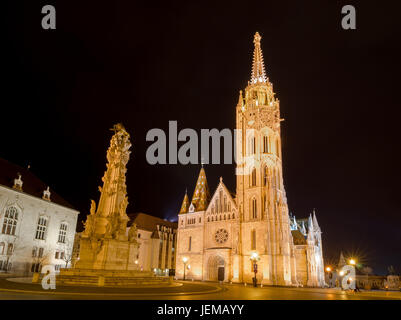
(146, 63)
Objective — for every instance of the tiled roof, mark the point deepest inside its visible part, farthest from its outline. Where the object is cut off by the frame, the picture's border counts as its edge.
(32, 185)
(147, 222)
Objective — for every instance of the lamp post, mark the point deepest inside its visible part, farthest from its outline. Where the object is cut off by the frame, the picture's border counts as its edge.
(185, 260)
(330, 275)
(255, 258)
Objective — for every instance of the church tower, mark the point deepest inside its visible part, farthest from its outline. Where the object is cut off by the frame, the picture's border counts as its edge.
(261, 197)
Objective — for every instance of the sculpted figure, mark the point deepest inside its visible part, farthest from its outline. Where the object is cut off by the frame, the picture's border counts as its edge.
(133, 233)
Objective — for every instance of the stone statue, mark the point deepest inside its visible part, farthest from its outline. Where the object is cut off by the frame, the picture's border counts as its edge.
(93, 207)
(133, 233)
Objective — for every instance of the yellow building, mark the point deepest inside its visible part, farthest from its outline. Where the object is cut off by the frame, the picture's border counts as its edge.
(227, 234)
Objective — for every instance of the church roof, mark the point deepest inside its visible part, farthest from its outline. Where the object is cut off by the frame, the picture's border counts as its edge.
(32, 185)
(201, 196)
(185, 204)
(147, 222)
(299, 238)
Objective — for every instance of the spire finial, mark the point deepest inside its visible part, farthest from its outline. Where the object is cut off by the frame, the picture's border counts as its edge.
(258, 67)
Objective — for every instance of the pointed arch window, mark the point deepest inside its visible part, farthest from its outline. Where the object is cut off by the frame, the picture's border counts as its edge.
(225, 204)
(265, 176)
(266, 142)
(252, 145)
(10, 221)
(253, 177)
(254, 209)
(253, 240)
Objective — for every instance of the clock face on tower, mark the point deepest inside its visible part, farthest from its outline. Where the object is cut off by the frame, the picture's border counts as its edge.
(221, 236)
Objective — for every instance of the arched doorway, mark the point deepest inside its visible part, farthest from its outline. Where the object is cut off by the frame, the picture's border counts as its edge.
(215, 266)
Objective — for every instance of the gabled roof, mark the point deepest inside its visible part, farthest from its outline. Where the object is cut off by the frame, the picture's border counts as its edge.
(32, 185)
(225, 191)
(147, 222)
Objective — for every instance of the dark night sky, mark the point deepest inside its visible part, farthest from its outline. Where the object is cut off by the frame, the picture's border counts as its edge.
(144, 64)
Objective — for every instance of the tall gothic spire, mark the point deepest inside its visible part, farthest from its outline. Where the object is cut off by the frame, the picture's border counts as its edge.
(201, 196)
(258, 66)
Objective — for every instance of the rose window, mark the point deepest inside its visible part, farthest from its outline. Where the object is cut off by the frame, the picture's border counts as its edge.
(221, 236)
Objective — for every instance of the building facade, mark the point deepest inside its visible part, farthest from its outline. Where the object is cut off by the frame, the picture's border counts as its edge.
(222, 232)
(157, 243)
(157, 240)
(37, 225)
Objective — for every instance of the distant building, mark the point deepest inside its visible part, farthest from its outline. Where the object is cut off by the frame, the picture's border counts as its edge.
(158, 242)
(157, 239)
(37, 226)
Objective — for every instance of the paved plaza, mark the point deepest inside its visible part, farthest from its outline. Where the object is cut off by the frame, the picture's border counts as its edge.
(21, 289)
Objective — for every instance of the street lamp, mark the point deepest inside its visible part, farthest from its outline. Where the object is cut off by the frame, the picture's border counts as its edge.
(330, 275)
(184, 260)
(352, 262)
(255, 258)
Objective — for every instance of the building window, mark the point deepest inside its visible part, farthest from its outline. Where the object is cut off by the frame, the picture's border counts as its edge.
(40, 255)
(252, 145)
(265, 175)
(10, 221)
(41, 228)
(34, 252)
(225, 204)
(62, 255)
(266, 144)
(10, 249)
(2, 245)
(56, 256)
(253, 177)
(254, 209)
(253, 240)
(62, 233)
(189, 243)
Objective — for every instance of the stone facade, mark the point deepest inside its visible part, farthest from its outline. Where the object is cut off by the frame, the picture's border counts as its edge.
(220, 234)
(157, 240)
(157, 243)
(37, 226)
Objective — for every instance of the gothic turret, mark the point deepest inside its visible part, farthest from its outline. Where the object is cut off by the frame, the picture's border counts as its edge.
(185, 204)
(201, 196)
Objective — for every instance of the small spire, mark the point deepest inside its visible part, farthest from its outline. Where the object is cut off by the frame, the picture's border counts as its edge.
(185, 204)
(258, 66)
(315, 224)
(341, 261)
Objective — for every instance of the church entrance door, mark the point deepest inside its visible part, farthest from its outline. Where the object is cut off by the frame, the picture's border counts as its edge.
(216, 268)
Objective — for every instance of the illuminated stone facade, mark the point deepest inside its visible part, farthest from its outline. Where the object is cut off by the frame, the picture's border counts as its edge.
(220, 233)
(37, 226)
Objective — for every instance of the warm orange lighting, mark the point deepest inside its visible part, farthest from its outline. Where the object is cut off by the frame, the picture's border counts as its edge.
(254, 256)
(185, 259)
(328, 269)
(352, 262)
(341, 273)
